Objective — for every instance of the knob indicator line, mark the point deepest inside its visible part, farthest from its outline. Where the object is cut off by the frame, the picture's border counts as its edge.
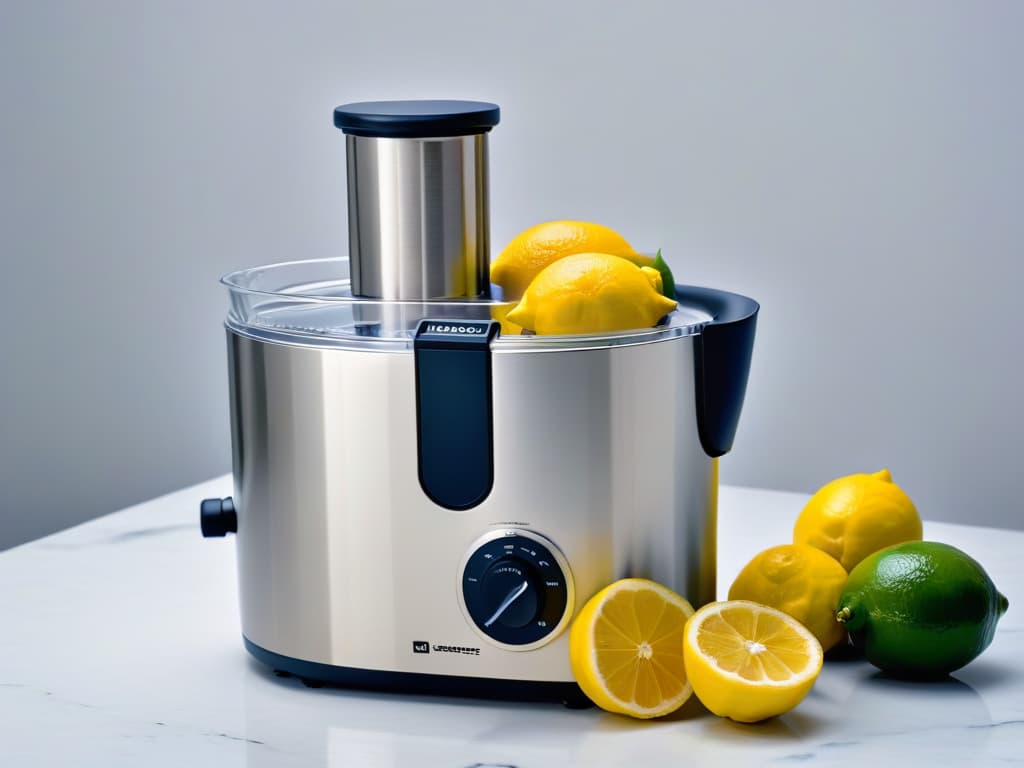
(509, 599)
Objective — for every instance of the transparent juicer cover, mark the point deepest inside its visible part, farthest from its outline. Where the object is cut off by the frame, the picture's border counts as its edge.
(311, 303)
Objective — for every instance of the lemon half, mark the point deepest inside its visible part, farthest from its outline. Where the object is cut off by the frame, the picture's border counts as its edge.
(749, 662)
(626, 649)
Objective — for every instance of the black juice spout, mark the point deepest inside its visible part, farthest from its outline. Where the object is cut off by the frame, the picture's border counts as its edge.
(722, 354)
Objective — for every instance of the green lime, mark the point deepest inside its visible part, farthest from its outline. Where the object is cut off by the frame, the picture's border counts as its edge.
(920, 609)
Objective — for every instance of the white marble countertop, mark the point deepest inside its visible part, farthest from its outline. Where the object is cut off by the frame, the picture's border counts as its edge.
(120, 646)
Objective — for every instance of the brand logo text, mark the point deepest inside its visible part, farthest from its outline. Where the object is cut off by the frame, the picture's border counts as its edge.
(460, 330)
(456, 649)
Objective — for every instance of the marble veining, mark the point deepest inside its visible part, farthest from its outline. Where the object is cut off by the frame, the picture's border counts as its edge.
(120, 646)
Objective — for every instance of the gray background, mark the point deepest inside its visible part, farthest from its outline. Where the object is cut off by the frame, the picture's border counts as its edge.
(856, 167)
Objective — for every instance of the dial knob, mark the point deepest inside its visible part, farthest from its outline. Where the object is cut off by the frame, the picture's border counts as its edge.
(510, 587)
(516, 589)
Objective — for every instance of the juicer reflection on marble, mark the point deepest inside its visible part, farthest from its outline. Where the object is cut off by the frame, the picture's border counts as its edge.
(423, 503)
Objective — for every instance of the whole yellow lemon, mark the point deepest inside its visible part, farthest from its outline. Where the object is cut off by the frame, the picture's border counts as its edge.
(800, 581)
(537, 247)
(592, 293)
(857, 515)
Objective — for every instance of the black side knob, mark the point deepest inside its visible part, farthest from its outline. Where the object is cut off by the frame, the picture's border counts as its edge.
(217, 517)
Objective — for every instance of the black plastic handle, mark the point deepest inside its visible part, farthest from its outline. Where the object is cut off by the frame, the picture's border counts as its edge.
(454, 411)
(722, 353)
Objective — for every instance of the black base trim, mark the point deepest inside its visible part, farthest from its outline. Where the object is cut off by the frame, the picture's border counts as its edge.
(315, 674)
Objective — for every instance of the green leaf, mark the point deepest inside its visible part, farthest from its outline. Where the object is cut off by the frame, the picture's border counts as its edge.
(668, 282)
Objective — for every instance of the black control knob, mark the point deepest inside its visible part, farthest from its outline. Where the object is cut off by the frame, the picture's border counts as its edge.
(516, 588)
(509, 586)
(217, 517)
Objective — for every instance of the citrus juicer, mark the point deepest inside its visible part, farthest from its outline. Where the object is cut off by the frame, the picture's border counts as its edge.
(423, 503)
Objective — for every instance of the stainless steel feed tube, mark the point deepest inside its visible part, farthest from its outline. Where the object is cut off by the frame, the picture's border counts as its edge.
(417, 197)
(418, 216)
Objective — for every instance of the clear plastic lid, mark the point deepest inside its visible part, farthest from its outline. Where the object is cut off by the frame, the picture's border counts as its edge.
(311, 303)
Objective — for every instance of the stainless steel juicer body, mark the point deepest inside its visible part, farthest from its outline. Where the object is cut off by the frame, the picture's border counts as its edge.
(423, 502)
(344, 559)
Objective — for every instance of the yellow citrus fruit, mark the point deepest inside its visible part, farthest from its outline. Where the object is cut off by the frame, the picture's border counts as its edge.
(749, 662)
(500, 312)
(592, 293)
(626, 649)
(537, 247)
(800, 581)
(857, 515)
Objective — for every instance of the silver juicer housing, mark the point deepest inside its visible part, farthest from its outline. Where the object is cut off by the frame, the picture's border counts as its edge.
(424, 503)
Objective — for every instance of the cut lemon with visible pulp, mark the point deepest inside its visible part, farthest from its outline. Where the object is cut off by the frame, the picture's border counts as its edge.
(749, 662)
(626, 649)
